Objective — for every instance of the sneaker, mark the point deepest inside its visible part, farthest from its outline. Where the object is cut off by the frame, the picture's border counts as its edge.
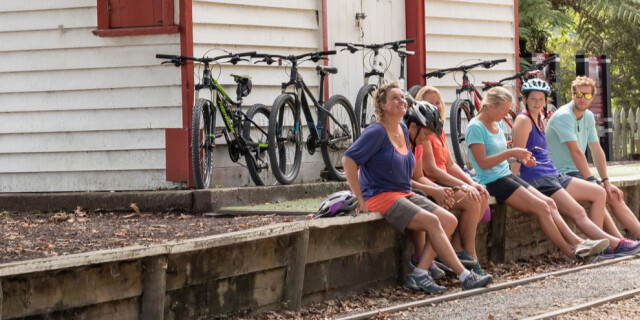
(423, 283)
(474, 281)
(466, 259)
(440, 264)
(590, 248)
(436, 272)
(607, 254)
(627, 247)
(477, 269)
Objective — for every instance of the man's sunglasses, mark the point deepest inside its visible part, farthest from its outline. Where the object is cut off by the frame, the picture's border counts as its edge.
(580, 94)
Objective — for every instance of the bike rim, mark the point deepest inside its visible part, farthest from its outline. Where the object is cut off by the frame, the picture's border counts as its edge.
(339, 134)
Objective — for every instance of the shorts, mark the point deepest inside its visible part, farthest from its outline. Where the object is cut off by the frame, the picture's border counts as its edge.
(402, 211)
(551, 184)
(575, 174)
(504, 187)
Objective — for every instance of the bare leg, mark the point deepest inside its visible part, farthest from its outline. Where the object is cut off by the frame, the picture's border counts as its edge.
(448, 222)
(526, 201)
(566, 232)
(572, 209)
(581, 190)
(430, 223)
(470, 214)
(622, 212)
(610, 226)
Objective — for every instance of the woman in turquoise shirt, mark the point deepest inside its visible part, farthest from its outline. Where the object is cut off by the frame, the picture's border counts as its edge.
(489, 155)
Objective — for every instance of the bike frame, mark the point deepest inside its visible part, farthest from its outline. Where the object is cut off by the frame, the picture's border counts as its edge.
(474, 95)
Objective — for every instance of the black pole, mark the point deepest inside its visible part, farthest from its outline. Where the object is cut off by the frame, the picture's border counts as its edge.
(554, 79)
(607, 139)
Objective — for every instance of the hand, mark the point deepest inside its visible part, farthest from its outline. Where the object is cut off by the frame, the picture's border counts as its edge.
(362, 206)
(473, 193)
(482, 190)
(520, 153)
(530, 162)
(444, 197)
(613, 192)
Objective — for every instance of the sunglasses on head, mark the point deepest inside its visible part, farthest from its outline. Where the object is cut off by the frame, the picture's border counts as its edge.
(580, 94)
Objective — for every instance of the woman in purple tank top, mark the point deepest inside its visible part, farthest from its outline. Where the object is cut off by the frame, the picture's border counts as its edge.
(528, 132)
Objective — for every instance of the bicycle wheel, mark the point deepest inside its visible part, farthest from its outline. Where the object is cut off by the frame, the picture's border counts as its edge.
(202, 142)
(507, 127)
(413, 91)
(461, 114)
(285, 139)
(255, 130)
(339, 133)
(364, 106)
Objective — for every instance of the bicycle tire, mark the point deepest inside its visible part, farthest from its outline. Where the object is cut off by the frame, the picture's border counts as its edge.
(413, 91)
(333, 149)
(507, 128)
(202, 142)
(461, 114)
(257, 157)
(285, 139)
(364, 112)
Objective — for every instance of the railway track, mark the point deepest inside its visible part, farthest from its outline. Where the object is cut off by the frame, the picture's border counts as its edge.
(505, 293)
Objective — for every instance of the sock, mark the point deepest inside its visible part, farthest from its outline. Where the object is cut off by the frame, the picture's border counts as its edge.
(417, 272)
(463, 276)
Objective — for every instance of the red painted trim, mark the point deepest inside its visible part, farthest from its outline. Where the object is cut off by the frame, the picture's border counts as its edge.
(167, 13)
(142, 31)
(325, 46)
(103, 15)
(177, 143)
(415, 28)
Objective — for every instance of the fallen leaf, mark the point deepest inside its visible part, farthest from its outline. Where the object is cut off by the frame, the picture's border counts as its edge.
(135, 208)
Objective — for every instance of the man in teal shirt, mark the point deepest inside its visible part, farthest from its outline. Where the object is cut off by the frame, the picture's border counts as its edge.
(570, 130)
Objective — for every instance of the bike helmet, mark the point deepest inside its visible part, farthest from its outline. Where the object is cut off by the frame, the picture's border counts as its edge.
(536, 85)
(338, 204)
(425, 115)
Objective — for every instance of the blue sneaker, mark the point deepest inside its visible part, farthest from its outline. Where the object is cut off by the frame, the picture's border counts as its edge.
(423, 283)
(474, 281)
(442, 266)
(466, 259)
(477, 269)
(607, 254)
(626, 248)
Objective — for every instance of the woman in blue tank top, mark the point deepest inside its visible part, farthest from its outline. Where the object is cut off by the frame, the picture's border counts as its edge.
(528, 132)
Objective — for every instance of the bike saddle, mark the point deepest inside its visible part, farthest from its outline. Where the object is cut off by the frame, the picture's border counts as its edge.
(240, 78)
(329, 69)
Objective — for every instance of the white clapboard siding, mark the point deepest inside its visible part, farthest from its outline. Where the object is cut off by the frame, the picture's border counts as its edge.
(84, 180)
(77, 38)
(53, 142)
(464, 32)
(385, 22)
(84, 58)
(146, 97)
(81, 112)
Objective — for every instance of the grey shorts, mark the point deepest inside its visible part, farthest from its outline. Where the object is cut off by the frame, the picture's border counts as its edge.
(551, 184)
(403, 210)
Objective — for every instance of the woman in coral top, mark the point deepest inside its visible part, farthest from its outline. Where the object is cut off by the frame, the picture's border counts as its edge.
(379, 167)
(438, 166)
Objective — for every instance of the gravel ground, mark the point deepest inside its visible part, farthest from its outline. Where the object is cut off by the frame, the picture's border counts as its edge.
(623, 309)
(528, 300)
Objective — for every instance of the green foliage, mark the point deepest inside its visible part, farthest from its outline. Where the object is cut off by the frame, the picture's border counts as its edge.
(570, 27)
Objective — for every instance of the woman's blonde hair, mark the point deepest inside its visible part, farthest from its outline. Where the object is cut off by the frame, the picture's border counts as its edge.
(427, 90)
(496, 96)
(380, 97)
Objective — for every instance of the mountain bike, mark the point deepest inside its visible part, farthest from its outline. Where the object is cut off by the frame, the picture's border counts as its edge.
(464, 108)
(522, 77)
(335, 131)
(364, 100)
(244, 133)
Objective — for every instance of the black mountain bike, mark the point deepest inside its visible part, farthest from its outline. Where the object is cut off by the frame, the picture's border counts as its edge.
(245, 134)
(335, 131)
(364, 100)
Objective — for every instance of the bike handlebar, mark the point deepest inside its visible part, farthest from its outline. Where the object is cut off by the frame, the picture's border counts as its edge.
(233, 57)
(536, 66)
(353, 47)
(485, 64)
(315, 56)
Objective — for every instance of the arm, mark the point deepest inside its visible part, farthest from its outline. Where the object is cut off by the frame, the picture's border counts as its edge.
(600, 160)
(579, 159)
(351, 172)
(442, 196)
(432, 170)
(521, 130)
(488, 162)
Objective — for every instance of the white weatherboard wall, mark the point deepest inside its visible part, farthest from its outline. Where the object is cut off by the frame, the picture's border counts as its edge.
(384, 22)
(465, 32)
(278, 27)
(79, 112)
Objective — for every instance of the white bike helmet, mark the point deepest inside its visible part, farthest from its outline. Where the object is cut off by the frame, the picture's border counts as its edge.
(338, 204)
(536, 85)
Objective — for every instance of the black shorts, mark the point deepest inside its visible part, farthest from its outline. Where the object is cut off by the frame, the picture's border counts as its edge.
(504, 187)
(551, 184)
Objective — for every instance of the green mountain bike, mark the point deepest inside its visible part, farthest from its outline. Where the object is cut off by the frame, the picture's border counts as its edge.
(244, 133)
